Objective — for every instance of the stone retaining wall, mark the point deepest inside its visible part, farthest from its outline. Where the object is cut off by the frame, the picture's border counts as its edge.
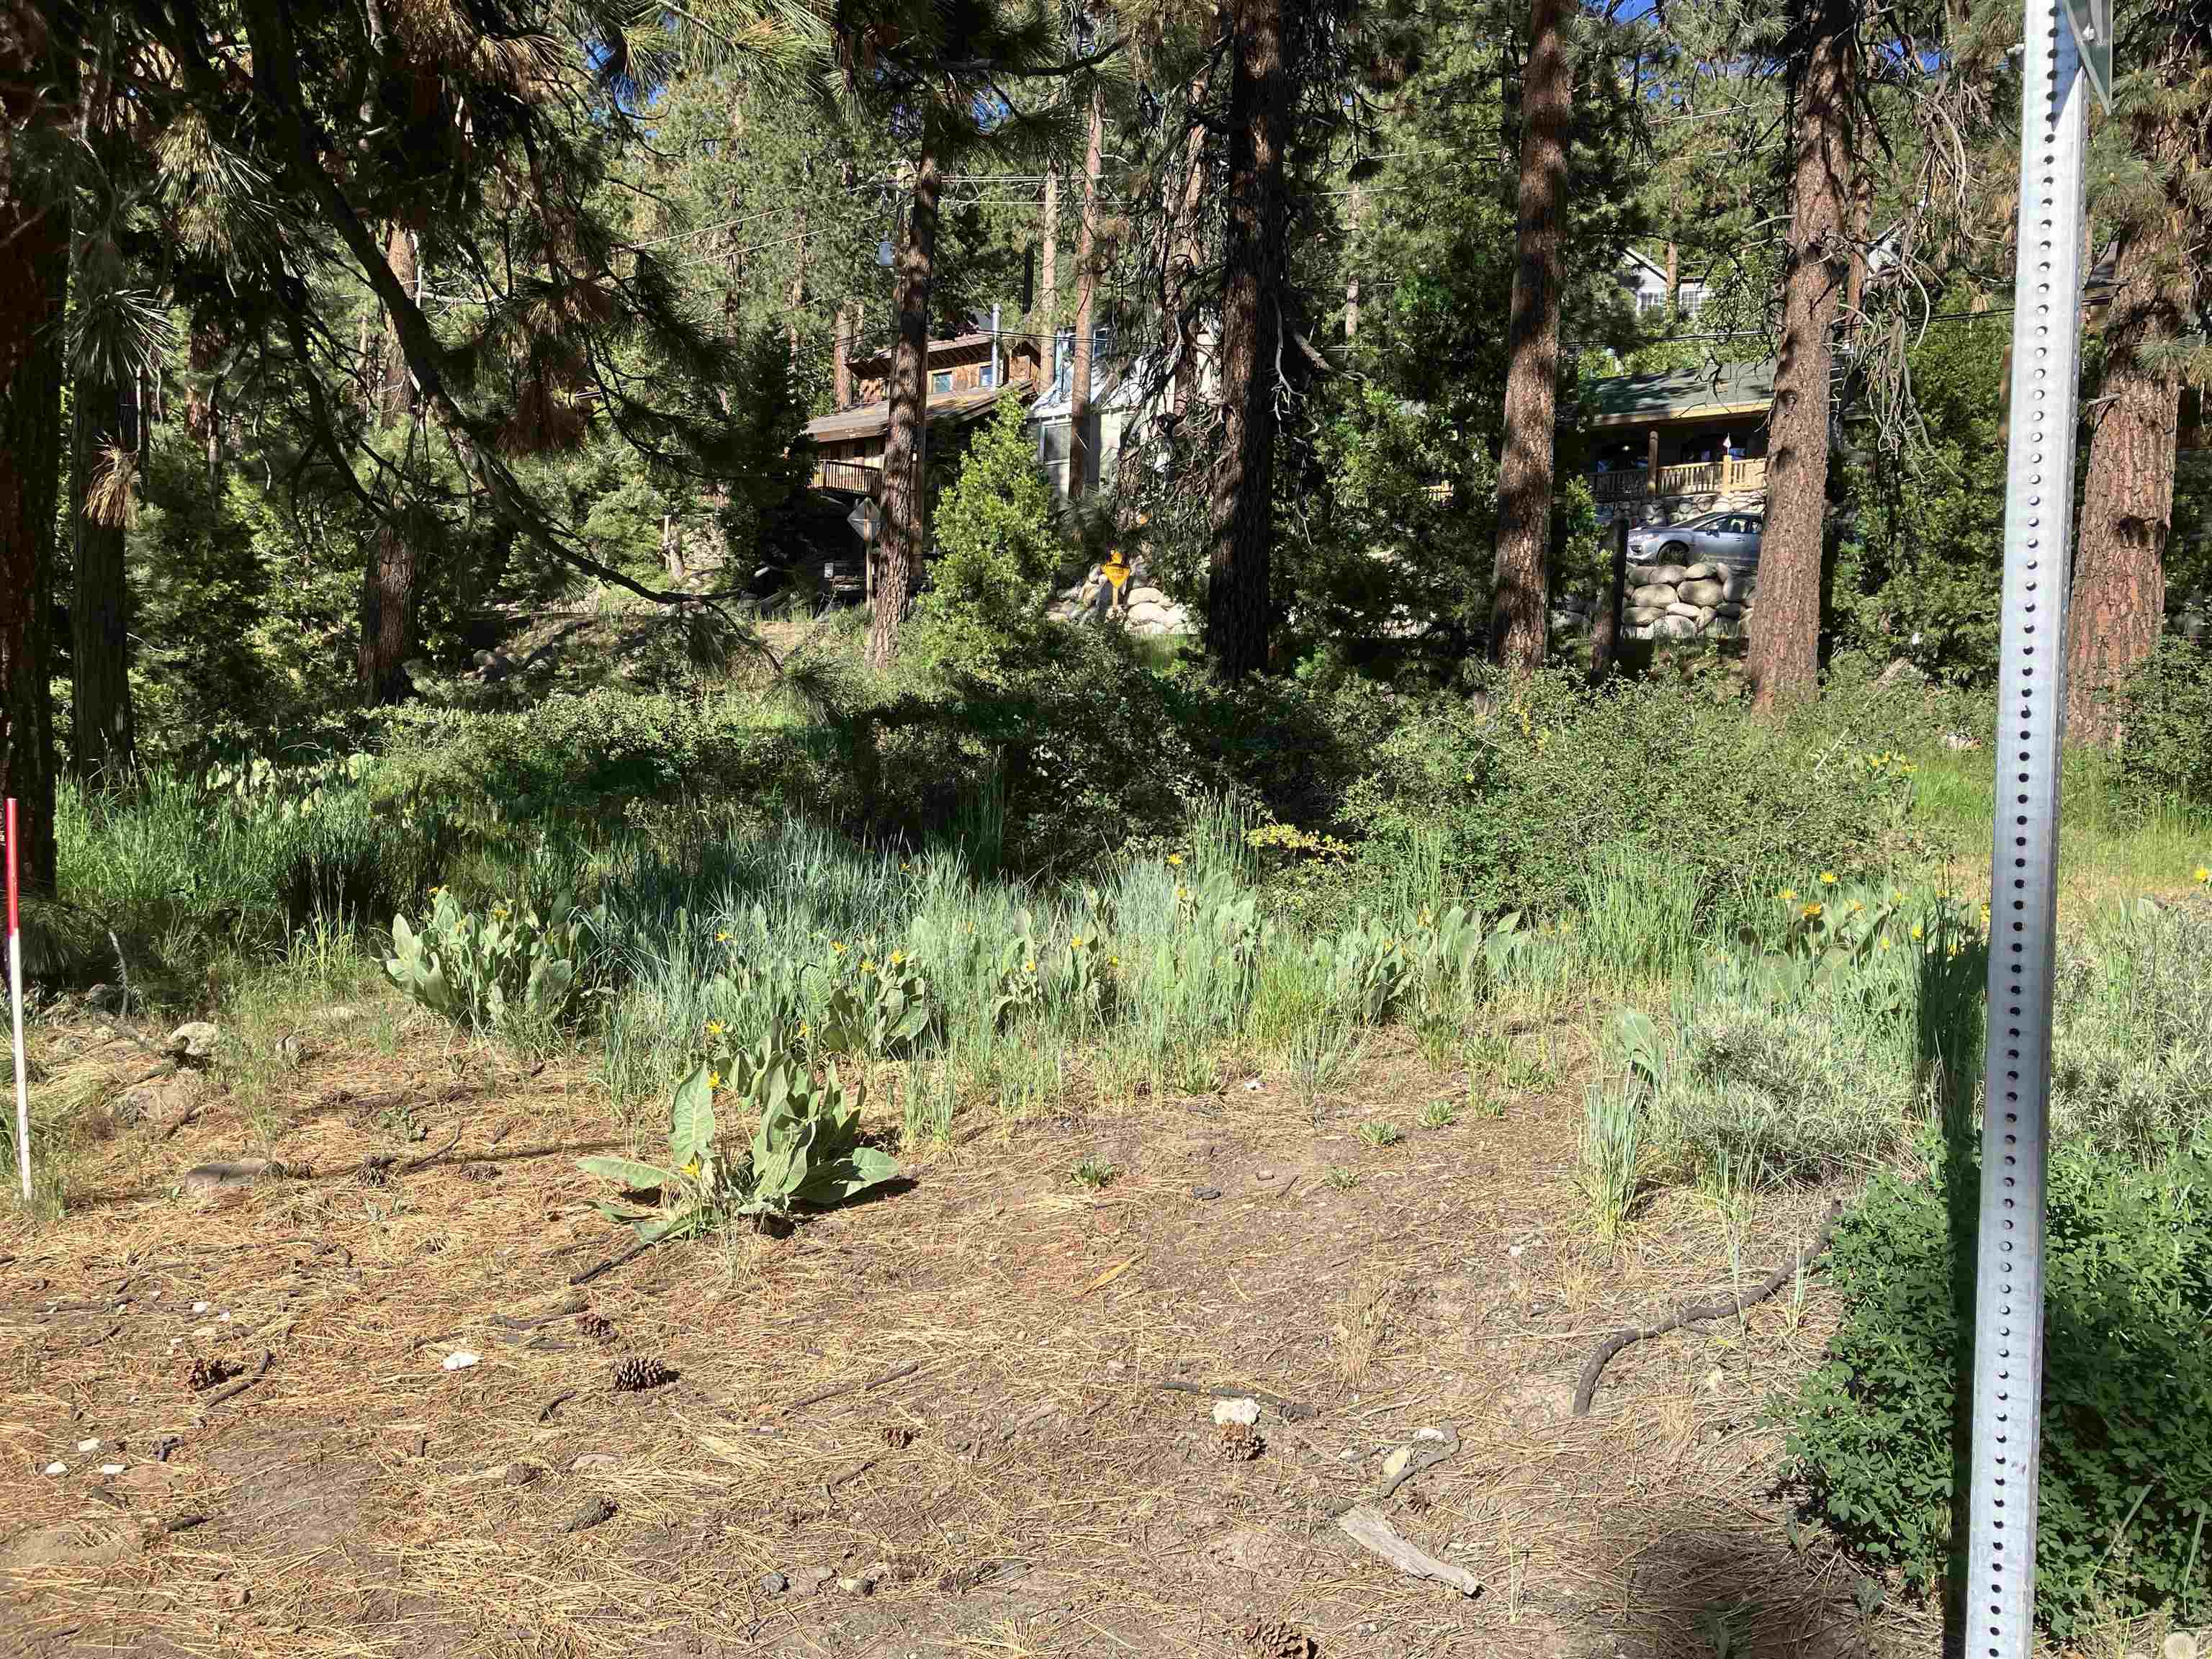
(1140, 607)
(1673, 602)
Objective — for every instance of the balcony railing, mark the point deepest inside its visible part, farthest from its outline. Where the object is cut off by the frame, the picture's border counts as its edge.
(856, 476)
(1698, 479)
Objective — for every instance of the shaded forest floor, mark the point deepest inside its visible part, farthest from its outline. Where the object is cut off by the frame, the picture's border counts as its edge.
(1016, 1482)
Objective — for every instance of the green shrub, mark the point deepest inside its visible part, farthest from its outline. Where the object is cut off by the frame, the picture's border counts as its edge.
(2131, 1064)
(2127, 1397)
(1518, 793)
(989, 577)
(504, 968)
(2166, 720)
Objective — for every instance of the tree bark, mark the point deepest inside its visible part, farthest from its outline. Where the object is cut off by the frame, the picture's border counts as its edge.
(841, 367)
(1783, 661)
(1237, 599)
(102, 437)
(1086, 291)
(33, 294)
(1518, 607)
(1605, 634)
(2118, 604)
(1048, 311)
(1182, 323)
(798, 299)
(388, 581)
(904, 533)
(1351, 278)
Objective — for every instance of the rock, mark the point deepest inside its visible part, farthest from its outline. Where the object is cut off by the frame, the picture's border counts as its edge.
(1959, 741)
(1656, 595)
(1668, 574)
(1244, 1412)
(1678, 609)
(195, 1039)
(1394, 1464)
(209, 1180)
(458, 1361)
(1642, 615)
(1674, 627)
(591, 1461)
(808, 1580)
(2179, 1646)
(773, 1584)
(157, 1100)
(857, 1586)
(1726, 608)
(1702, 592)
(519, 1473)
(1735, 585)
(1700, 573)
(1205, 1193)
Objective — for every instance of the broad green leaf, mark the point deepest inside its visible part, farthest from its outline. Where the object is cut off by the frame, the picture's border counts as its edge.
(691, 1119)
(632, 1174)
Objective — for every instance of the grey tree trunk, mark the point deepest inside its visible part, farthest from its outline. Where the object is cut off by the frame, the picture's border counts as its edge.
(904, 535)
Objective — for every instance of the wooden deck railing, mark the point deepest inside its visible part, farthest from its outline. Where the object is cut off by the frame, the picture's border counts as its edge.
(1699, 478)
(857, 476)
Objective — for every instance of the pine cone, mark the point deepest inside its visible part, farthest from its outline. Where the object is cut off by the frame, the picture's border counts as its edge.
(1277, 1638)
(598, 1327)
(207, 1374)
(1238, 1443)
(635, 1372)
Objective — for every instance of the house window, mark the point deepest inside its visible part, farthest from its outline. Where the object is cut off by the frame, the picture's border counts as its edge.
(1691, 299)
(1647, 302)
(940, 383)
(983, 375)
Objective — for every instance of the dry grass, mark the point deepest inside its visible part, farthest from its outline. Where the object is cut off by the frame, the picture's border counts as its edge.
(368, 1501)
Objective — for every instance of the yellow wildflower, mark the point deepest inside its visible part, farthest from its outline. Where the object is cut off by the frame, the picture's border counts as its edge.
(1885, 942)
(1029, 967)
(692, 1168)
(1182, 892)
(722, 937)
(714, 1080)
(804, 1029)
(1896, 896)
(1790, 896)
(1918, 932)
(1079, 943)
(1857, 905)
(867, 964)
(1827, 878)
(1112, 962)
(837, 946)
(898, 958)
(1176, 860)
(1811, 910)
(2203, 877)
(434, 891)
(714, 1028)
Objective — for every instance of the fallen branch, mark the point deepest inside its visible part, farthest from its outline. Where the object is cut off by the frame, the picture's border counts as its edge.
(1366, 1527)
(1292, 1410)
(613, 1262)
(875, 1382)
(1424, 1454)
(233, 1390)
(1593, 1367)
(545, 1411)
(415, 1164)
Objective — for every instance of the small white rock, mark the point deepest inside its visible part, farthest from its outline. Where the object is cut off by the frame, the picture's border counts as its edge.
(1246, 1412)
(223, 1318)
(200, 1307)
(92, 1445)
(459, 1362)
(1515, 1250)
(110, 1468)
(1252, 1083)
(57, 1468)
(591, 1461)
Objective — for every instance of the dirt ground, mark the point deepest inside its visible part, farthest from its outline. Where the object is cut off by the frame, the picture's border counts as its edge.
(945, 1404)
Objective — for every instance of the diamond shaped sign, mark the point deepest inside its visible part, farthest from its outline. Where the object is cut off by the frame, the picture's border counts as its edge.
(2092, 23)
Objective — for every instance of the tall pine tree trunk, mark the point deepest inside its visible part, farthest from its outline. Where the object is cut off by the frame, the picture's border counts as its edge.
(1079, 459)
(1237, 600)
(798, 299)
(33, 292)
(1182, 322)
(1048, 309)
(388, 581)
(841, 366)
(903, 537)
(1785, 628)
(2118, 604)
(1519, 605)
(103, 460)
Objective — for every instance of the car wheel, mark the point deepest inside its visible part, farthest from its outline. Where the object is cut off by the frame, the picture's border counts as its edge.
(1676, 550)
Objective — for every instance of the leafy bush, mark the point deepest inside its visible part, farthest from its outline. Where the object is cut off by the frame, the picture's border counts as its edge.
(2127, 1399)
(1517, 794)
(807, 1150)
(503, 968)
(2166, 719)
(2131, 1064)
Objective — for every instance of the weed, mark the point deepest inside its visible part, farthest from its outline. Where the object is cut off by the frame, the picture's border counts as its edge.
(1094, 1173)
(1612, 1149)
(1319, 1056)
(506, 966)
(1439, 1115)
(1340, 1179)
(1381, 1134)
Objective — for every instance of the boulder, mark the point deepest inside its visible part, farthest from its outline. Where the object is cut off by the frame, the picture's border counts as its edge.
(1674, 627)
(1642, 615)
(1640, 575)
(194, 1040)
(1654, 594)
(1701, 573)
(1728, 611)
(1668, 573)
(1138, 596)
(1735, 585)
(1705, 591)
(1678, 609)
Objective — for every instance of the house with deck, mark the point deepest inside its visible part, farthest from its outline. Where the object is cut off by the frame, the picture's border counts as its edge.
(1689, 440)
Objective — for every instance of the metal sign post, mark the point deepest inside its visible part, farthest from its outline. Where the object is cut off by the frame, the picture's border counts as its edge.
(2000, 1592)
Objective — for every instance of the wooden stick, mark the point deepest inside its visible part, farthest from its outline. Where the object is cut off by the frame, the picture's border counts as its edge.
(1593, 1367)
(875, 1382)
(1365, 1525)
(232, 1391)
(415, 1164)
(613, 1262)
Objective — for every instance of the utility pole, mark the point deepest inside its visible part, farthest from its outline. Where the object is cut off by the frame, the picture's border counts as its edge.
(2065, 48)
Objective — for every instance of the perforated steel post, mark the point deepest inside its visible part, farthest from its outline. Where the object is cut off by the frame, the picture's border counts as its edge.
(2000, 1598)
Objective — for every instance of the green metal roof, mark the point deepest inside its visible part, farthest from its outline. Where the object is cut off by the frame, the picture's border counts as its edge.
(1682, 394)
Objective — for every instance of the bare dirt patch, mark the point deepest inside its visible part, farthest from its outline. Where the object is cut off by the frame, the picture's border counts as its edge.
(930, 1423)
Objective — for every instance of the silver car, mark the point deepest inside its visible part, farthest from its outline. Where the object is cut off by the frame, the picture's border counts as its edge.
(1729, 539)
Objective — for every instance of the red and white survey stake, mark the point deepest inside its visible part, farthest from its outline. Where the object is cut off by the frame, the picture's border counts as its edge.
(15, 1012)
